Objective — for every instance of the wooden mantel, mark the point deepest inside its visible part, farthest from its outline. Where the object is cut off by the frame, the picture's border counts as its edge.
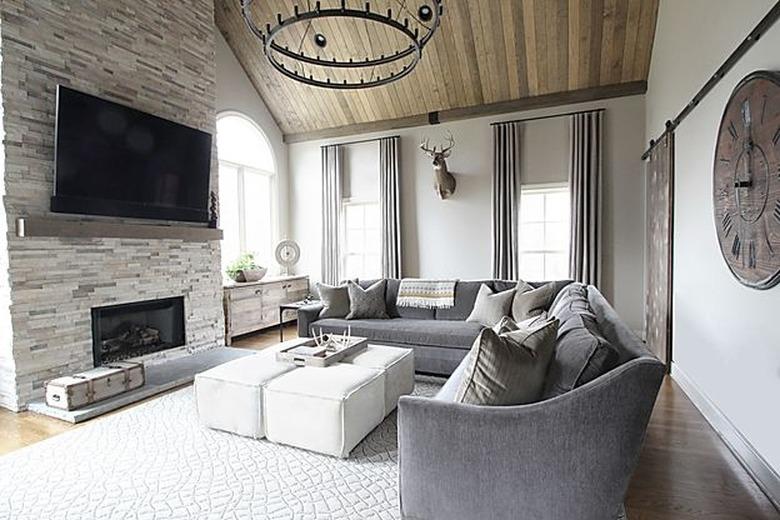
(63, 228)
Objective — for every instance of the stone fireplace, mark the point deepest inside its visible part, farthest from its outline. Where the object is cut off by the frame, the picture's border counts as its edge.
(131, 330)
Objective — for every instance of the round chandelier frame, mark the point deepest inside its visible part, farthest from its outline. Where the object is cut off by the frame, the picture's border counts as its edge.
(275, 52)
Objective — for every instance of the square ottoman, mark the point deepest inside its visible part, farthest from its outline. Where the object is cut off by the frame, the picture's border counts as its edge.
(229, 397)
(327, 410)
(397, 364)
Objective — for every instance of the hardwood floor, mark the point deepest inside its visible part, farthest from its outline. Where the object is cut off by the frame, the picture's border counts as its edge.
(685, 471)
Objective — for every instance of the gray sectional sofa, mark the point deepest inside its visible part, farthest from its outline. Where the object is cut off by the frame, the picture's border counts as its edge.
(568, 456)
(565, 457)
(441, 338)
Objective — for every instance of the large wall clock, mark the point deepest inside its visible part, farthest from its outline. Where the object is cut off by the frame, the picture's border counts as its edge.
(746, 181)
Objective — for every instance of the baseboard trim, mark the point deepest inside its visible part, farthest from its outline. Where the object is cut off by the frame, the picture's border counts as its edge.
(766, 477)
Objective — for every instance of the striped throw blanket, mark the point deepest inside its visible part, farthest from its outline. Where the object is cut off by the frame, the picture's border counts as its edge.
(426, 294)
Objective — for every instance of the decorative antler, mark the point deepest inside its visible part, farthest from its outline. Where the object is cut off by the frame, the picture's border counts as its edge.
(425, 148)
(445, 151)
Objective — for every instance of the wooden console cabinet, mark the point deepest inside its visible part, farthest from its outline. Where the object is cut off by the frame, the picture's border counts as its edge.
(255, 305)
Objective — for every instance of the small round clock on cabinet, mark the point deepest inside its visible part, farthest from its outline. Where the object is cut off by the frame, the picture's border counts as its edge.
(746, 181)
(287, 254)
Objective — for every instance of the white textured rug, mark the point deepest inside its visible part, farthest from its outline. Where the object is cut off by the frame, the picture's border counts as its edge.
(156, 461)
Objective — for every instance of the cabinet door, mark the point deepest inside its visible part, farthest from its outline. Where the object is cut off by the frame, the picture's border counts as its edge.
(246, 309)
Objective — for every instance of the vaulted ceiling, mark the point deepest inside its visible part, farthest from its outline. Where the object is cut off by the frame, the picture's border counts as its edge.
(488, 56)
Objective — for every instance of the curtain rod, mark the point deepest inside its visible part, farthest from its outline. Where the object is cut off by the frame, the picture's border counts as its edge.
(549, 116)
(360, 141)
(763, 26)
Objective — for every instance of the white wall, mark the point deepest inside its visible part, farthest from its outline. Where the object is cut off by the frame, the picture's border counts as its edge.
(452, 238)
(236, 93)
(726, 339)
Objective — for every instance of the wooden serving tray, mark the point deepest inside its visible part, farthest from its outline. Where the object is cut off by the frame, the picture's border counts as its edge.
(319, 358)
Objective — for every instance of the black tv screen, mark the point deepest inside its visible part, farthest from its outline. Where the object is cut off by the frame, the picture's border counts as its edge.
(114, 160)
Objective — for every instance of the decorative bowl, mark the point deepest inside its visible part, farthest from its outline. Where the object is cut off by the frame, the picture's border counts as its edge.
(251, 275)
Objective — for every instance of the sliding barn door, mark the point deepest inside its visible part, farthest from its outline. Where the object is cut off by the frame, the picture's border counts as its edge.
(660, 219)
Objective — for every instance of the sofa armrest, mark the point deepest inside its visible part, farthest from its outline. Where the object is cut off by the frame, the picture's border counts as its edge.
(307, 315)
(569, 457)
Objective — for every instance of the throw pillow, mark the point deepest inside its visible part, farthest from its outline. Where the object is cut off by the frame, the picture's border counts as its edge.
(490, 307)
(367, 303)
(530, 302)
(508, 369)
(581, 355)
(335, 300)
(507, 324)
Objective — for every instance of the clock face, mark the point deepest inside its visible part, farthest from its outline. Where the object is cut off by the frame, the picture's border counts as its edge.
(746, 181)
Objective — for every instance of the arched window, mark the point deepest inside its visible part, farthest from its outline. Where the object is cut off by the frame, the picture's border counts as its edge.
(247, 189)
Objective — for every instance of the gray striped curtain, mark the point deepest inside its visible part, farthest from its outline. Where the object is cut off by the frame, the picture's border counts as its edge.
(506, 183)
(332, 165)
(389, 207)
(586, 199)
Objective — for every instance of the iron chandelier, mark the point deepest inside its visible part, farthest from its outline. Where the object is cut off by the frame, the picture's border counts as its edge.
(343, 47)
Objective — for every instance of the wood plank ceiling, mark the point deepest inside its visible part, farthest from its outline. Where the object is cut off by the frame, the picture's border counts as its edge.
(488, 56)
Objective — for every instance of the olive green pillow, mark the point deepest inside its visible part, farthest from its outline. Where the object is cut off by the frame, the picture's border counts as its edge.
(530, 302)
(508, 368)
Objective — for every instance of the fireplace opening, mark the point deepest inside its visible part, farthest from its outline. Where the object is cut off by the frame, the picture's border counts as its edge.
(135, 329)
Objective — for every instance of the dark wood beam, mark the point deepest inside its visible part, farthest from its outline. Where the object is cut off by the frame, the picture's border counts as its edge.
(454, 114)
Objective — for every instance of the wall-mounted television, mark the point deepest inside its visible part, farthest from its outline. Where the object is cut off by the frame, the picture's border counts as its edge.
(113, 160)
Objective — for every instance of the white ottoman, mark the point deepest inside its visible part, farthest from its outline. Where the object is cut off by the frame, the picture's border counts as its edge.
(327, 410)
(398, 366)
(229, 397)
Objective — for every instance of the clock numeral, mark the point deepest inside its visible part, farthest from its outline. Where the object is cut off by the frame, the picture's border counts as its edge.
(736, 247)
(733, 130)
(776, 138)
(727, 224)
(776, 212)
(752, 255)
(724, 160)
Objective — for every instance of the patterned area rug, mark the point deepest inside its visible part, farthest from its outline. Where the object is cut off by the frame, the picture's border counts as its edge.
(156, 461)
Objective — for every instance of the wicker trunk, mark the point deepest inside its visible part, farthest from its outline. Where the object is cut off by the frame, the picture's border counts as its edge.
(71, 392)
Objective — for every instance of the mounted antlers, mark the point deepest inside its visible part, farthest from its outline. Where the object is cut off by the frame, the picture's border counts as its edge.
(444, 182)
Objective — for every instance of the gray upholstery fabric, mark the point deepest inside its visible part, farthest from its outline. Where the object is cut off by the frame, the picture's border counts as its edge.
(570, 457)
(332, 165)
(509, 368)
(506, 184)
(449, 334)
(390, 206)
(581, 355)
(585, 175)
(334, 299)
(490, 307)
(307, 315)
(465, 296)
(367, 303)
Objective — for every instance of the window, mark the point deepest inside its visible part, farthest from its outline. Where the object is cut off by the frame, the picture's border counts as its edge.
(544, 232)
(247, 190)
(360, 247)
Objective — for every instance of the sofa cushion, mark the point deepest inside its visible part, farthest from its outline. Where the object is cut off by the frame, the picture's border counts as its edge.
(367, 303)
(406, 331)
(508, 369)
(571, 301)
(490, 307)
(465, 296)
(335, 300)
(581, 355)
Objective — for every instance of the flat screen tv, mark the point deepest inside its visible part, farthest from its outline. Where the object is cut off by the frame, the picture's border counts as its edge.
(114, 160)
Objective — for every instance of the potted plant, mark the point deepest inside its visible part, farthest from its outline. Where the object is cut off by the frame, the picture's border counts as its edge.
(245, 269)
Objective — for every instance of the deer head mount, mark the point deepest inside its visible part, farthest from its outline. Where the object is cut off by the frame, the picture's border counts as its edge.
(444, 182)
